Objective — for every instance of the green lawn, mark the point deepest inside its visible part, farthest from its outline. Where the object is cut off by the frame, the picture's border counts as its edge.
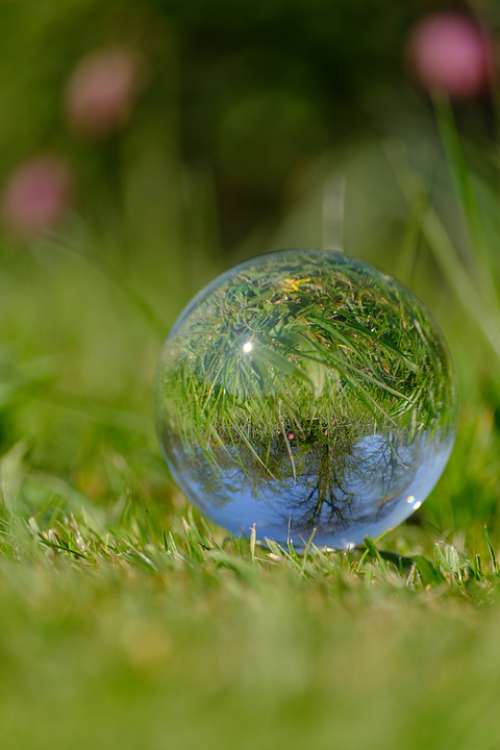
(126, 621)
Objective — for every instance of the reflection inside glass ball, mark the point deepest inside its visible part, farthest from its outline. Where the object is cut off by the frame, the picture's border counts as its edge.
(307, 395)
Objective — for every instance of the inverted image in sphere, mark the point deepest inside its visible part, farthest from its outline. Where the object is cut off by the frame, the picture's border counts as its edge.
(306, 394)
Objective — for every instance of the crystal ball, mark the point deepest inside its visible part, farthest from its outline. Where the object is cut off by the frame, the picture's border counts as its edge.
(307, 396)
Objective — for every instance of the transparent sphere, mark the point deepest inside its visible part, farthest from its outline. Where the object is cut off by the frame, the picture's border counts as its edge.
(306, 394)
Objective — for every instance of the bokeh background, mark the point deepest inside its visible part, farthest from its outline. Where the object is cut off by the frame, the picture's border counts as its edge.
(161, 109)
(145, 146)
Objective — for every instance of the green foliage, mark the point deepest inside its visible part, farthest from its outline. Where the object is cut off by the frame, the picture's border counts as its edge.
(125, 619)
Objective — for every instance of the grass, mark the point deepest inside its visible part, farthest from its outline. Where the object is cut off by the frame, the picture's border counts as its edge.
(127, 621)
(324, 332)
(133, 637)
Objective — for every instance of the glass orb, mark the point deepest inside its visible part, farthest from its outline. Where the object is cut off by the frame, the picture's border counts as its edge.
(307, 395)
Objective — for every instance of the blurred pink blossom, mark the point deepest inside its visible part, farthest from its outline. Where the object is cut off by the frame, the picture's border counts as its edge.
(102, 90)
(37, 195)
(451, 54)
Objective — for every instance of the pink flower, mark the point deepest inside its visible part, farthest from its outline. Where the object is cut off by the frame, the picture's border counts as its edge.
(102, 90)
(451, 54)
(37, 195)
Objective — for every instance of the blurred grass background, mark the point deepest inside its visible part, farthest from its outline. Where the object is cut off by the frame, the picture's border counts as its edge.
(144, 148)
